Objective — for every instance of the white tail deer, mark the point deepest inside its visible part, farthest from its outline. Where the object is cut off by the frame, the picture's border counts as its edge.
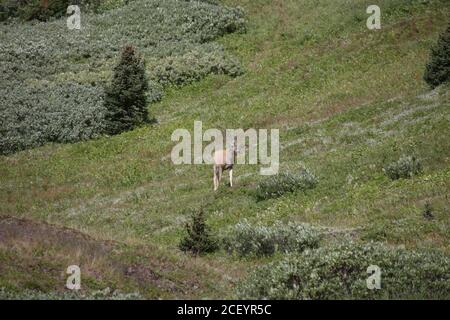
(224, 160)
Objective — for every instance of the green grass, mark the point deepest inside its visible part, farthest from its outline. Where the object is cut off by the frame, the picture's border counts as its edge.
(347, 101)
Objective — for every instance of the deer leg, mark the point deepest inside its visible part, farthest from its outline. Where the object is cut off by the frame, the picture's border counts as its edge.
(231, 177)
(216, 183)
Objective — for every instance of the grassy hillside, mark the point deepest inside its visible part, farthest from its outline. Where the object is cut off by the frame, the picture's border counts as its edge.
(347, 100)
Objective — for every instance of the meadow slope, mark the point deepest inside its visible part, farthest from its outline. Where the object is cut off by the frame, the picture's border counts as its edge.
(347, 101)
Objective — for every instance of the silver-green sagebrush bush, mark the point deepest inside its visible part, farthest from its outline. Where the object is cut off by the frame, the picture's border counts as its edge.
(105, 294)
(173, 36)
(405, 167)
(210, 58)
(31, 116)
(39, 10)
(277, 185)
(340, 272)
(247, 239)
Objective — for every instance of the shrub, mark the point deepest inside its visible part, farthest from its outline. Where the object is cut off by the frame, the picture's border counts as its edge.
(42, 10)
(405, 167)
(245, 239)
(277, 185)
(437, 70)
(49, 113)
(207, 1)
(341, 273)
(428, 211)
(194, 65)
(126, 99)
(105, 5)
(198, 238)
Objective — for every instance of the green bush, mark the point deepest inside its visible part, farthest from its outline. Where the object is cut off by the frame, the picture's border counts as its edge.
(106, 5)
(277, 185)
(125, 98)
(246, 239)
(198, 238)
(33, 115)
(42, 10)
(428, 211)
(206, 1)
(438, 68)
(194, 65)
(405, 167)
(341, 273)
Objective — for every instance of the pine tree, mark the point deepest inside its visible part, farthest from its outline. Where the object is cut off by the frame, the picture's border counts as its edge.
(198, 238)
(438, 68)
(125, 98)
(428, 211)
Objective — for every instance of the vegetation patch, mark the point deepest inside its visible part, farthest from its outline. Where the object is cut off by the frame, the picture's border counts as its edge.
(42, 10)
(277, 185)
(247, 239)
(52, 74)
(405, 167)
(34, 115)
(341, 273)
(345, 98)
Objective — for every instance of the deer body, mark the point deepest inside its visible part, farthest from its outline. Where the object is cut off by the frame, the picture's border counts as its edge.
(224, 160)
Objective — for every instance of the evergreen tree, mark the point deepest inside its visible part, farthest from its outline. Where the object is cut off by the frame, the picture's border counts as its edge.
(438, 68)
(198, 238)
(428, 211)
(125, 98)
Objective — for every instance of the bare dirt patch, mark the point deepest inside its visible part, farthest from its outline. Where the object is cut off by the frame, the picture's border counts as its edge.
(26, 246)
(24, 230)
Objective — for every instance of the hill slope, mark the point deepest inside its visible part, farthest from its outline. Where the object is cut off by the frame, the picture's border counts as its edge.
(347, 101)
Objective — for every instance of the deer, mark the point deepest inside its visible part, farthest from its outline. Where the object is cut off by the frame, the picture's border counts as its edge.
(224, 160)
